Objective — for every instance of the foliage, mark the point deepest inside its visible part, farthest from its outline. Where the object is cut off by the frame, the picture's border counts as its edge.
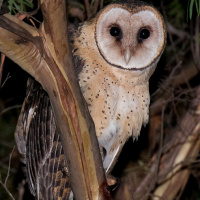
(192, 4)
(18, 6)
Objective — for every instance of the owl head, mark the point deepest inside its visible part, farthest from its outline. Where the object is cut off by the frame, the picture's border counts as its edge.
(134, 32)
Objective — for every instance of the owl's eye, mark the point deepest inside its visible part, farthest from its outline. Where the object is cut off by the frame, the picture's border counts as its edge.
(115, 32)
(143, 34)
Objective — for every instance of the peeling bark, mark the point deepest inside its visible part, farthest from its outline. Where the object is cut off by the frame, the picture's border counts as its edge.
(45, 54)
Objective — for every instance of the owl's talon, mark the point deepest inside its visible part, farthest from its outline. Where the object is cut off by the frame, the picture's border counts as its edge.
(112, 181)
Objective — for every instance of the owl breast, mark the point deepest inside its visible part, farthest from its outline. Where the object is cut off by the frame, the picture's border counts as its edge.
(117, 103)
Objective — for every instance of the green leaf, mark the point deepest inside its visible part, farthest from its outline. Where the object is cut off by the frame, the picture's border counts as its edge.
(191, 8)
(197, 7)
(28, 4)
(19, 6)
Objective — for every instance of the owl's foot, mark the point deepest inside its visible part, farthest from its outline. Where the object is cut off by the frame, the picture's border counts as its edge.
(112, 181)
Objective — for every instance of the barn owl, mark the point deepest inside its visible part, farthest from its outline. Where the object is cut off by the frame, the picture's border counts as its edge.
(114, 53)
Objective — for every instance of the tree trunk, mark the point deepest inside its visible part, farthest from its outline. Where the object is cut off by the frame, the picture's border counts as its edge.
(45, 54)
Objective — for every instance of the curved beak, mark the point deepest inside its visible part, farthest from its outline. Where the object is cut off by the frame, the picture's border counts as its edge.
(127, 56)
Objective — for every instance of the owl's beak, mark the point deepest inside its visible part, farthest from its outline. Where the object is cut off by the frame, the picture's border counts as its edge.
(127, 56)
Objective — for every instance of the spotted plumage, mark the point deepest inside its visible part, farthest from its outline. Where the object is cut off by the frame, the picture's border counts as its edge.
(114, 53)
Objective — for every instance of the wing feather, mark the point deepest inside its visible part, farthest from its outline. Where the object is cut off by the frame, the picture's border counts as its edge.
(39, 143)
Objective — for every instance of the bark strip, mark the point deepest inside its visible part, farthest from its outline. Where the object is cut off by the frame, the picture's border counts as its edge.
(46, 55)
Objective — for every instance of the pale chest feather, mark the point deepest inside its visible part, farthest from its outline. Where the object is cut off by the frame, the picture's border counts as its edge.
(117, 103)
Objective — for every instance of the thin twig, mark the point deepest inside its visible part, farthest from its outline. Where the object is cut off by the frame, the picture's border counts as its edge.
(5, 166)
(10, 108)
(165, 85)
(7, 77)
(8, 174)
(174, 31)
(34, 12)
(6, 144)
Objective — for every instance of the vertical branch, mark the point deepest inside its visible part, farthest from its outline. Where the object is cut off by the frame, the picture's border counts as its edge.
(101, 4)
(95, 7)
(197, 42)
(87, 6)
(2, 58)
(74, 122)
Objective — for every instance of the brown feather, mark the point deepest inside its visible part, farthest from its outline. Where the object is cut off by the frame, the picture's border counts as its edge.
(39, 143)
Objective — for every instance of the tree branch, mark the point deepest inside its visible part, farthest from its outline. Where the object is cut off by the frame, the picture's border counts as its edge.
(46, 55)
(87, 6)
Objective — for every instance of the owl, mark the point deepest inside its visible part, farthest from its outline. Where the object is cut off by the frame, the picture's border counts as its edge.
(114, 54)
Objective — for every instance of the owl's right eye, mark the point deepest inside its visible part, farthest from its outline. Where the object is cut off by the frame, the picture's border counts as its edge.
(115, 32)
(143, 34)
